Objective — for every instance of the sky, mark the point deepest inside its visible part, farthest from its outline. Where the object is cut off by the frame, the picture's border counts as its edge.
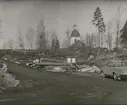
(57, 15)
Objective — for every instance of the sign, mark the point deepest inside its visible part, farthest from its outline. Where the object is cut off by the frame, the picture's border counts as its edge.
(71, 60)
(68, 60)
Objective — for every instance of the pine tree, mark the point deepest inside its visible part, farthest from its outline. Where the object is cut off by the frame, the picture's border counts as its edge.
(30, 38)
(98, 21)
(20, 40)
(124, 34)
(53, 45)
(57, 44)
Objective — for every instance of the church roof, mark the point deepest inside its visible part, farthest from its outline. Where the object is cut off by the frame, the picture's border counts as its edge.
(78, 44)
(75, 33)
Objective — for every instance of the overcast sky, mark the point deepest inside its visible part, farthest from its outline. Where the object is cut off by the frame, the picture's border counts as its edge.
(58, 15)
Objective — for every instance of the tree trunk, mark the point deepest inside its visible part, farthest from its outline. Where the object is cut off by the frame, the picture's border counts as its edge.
(99, 39)
(117, 37)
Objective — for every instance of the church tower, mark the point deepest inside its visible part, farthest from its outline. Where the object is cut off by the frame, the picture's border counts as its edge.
(75, 35)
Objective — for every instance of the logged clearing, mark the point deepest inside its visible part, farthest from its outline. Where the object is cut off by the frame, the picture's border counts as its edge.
(38, 88)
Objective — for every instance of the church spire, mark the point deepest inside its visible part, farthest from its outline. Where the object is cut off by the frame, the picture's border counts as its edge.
(75, 27)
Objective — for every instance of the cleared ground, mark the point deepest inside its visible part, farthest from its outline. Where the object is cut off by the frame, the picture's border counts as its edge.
(39, 88)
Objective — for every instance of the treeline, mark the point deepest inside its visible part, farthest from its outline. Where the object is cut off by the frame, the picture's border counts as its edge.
(107, 30)
(39, 39)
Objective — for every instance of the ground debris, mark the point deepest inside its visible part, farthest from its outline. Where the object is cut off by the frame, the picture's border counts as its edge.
(7, 80)
(91, 69)
(104, 59)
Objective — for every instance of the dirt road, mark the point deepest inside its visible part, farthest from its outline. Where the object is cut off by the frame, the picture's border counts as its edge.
(39, 88)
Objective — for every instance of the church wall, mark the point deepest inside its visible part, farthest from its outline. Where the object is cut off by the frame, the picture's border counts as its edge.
(72, 41)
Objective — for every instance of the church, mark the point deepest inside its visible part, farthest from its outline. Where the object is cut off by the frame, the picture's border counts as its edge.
(75, 35)
(77, 48)
(75, 40)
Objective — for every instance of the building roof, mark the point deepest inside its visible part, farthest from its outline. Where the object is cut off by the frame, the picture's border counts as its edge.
(78, 44)
(75, 33)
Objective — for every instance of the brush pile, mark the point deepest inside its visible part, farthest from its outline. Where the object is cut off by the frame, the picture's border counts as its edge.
(6, 79)
(103, 59)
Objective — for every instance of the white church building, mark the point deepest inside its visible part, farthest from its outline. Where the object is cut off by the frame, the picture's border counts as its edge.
(75, 35)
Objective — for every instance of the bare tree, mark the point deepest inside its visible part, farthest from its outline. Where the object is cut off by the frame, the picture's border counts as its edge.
(10, 44)
(94, 39)
(68, 37)
(5, 45)
(41, 36)
(1, 32)
(54, 35)
(48, 40)
(66, 42)
(90, 40)
(87, 39)
(30, 38)
(20, 39)
(108, 36)
(55, 46)
(119, 14)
